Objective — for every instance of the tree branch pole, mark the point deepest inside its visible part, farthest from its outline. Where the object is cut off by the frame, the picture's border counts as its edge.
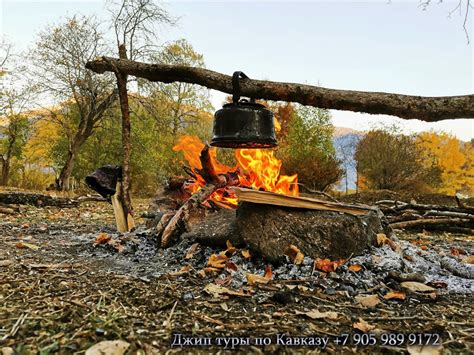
(126, 139)
(429, 109)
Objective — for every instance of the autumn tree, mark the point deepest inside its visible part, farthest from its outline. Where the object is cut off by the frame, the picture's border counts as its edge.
(454, 158)
(14, 130)
(390, 160)
(135, 24)
(81, 97)
(308, 148)
(15, 97)
(184, 104)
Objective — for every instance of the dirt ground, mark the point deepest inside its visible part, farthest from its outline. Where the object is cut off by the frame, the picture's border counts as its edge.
(61, 294)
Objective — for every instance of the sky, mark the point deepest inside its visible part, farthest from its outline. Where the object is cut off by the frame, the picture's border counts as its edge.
(379, 45)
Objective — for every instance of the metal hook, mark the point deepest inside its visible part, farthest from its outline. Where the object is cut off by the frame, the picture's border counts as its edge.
(236, 85)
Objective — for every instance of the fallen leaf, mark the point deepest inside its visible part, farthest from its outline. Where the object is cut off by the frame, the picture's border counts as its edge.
(295, 255)
(108, 347)
(327, 265)
(382, 239)
(217, 291)
(102, 238)
(224, 306)
(217, 261)
(223, 281)
(230, 249)
(468, 259)
(231, 266)
(253, 279)
(315, 314)
(399, 295)
(355, 268)
(191, 251)
(201, 274)
(268, 272)
(417, 287)
(457, 251)
(116, 244)
(424, 247)
(363, 326)
(211, 269)
(246, 254)
(184, 270)
(368, 301)
(23, 245)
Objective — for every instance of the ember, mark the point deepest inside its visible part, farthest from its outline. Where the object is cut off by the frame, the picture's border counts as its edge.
(256, 168)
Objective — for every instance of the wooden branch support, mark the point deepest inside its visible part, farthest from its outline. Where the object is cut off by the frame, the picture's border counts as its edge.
(429, 109)
(119, 210)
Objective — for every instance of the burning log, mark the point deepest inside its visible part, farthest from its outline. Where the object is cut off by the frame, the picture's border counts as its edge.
(213, 181)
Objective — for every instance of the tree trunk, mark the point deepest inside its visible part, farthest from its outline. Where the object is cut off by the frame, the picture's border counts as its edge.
(5, 171)
(429, 109)
(66, 171)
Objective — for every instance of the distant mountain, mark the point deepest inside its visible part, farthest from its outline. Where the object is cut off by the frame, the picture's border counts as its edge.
(342, 131)
(345, 141)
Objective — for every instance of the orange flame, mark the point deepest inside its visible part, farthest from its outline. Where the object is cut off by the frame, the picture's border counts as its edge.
(257, 168)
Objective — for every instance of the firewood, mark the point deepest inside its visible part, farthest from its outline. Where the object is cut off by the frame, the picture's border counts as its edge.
(402, 206)
(41, 200)
(423, 223)
(213, 183)
(270, 198)
(194, 201)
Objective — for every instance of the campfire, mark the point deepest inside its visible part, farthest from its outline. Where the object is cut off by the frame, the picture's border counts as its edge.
(258, 169)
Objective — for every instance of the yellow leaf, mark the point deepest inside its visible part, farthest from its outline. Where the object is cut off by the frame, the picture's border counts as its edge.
(355, 267)
(363, 326)
(295, 255)
(246, 254)
(368, 301)
(399, 295)
(217, 261)
(24, 245)
(253, 279)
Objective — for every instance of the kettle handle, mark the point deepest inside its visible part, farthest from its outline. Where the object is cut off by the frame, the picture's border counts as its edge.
(236, 86)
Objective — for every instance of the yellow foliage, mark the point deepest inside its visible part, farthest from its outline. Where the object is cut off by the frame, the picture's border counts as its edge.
(455, 158)
(45, 134)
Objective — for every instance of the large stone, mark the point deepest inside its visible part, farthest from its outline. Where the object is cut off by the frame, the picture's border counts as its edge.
(269, 230)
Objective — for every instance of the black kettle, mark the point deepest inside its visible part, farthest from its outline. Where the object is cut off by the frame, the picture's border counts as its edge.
(243, 123)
